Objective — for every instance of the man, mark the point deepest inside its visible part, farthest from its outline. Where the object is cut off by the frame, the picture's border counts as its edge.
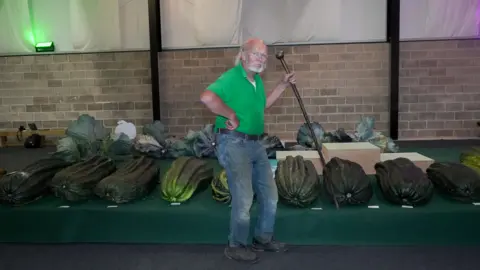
(238, 99)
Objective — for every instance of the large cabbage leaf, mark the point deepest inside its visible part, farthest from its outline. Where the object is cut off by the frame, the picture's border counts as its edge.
(182, 147)
(365, 129)
(119, 149)
(174, 148)
(88, 134)
(271, 144)
(68, 150)
(204, 142)
(148, 145)
(365, 132)
(157, 130)
(304, 136)
(339, 135)
(84, 137)
(154, 140)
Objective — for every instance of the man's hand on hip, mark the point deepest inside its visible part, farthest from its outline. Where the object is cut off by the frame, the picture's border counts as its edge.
(232, 123)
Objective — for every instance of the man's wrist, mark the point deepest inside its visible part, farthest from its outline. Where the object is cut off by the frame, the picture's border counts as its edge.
(231, 115)
(283, 84)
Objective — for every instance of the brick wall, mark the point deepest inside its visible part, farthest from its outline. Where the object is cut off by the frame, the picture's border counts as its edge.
(52, 90)
(339, 83)
(439, 94)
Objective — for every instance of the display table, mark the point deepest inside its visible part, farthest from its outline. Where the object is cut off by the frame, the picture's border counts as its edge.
(202, 220)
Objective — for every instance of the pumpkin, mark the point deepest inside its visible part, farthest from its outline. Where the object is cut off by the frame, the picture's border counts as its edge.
(403, 183)
(346, 183)
(458, 181)
(297, 181)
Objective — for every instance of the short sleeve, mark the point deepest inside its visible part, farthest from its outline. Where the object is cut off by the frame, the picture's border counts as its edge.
(218, 87)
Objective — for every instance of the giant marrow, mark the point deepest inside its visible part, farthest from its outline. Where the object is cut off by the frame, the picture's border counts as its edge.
(471, 158)
(182, 179)
(30, 183)
(220, 190)
(76, 183)
(133, 180)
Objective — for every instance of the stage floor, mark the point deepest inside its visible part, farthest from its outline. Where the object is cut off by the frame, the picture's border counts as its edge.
(204, 221)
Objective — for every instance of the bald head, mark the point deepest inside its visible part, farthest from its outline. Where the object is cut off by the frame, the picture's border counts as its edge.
(254, 45)
(253, 55)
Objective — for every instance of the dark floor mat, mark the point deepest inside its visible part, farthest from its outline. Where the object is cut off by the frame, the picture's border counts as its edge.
(142, 257)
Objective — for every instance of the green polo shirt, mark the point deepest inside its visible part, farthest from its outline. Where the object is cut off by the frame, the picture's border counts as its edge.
(248, 101)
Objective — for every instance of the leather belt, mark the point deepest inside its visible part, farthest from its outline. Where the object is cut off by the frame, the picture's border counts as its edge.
(239, 134)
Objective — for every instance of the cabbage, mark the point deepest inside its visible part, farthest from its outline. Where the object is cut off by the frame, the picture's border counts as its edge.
(184, 146)
(87, 137)
(272, 144)
(365, 132)
(156, 130)
(204, 143)
(304, 137)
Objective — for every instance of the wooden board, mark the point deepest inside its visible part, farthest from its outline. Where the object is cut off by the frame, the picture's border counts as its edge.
(5, 133)
(363, 153)
(420, 160)
(26, 133)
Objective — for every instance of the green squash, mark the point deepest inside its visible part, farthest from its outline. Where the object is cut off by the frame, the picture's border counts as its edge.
(457, 181)
(471, 158)
(220, 191)
(30, 183)
(184, 177)
(132, 180)
(403, 183)
(297, 181)
(346, 183)
(76, 183)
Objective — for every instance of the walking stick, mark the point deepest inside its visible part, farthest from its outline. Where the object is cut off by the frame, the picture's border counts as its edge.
(280, 56)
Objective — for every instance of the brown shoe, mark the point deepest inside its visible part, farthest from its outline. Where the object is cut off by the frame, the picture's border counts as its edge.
(241, 254)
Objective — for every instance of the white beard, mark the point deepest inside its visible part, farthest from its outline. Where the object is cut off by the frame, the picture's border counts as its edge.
(257, 70)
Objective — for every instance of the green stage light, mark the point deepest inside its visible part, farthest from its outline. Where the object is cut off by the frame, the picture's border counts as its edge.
(45, 47)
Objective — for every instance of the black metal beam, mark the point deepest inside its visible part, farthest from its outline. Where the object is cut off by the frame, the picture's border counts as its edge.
(154, 24)
(393, 32)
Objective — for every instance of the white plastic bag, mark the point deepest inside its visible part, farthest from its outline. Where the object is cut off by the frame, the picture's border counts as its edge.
(127, 128)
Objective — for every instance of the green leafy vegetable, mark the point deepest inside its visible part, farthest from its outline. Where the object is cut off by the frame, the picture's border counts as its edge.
(86, 137)
(204, 142)
(118, 149)
(157, 130)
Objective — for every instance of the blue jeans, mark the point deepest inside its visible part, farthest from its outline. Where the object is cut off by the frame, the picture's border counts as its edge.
(248, 172)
